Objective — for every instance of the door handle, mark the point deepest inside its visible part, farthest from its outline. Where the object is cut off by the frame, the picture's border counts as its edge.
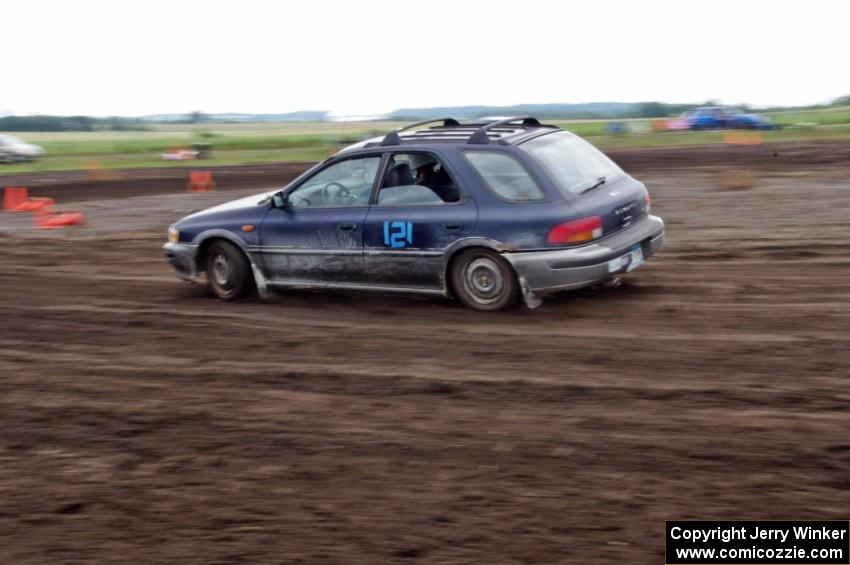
(452, 227)
(347, 227)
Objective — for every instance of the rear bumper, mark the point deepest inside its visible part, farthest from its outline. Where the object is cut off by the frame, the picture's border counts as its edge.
(183, 258)
(564, 269)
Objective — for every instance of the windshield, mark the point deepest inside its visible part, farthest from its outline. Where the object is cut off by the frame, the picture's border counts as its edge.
(573, 164)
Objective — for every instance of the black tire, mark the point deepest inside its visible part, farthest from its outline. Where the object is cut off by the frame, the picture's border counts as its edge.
(228, 271)
(482, 280)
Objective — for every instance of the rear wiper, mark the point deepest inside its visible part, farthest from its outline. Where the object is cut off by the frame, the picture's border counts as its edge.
(599, 182)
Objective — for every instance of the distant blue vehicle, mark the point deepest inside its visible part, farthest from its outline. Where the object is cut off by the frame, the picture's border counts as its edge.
(752, 121)
(487, 213)
(719, 117)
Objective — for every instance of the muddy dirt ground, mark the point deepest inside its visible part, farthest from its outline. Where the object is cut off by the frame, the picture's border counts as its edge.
(143, 421)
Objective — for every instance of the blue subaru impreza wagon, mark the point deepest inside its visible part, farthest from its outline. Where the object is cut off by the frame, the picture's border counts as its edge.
(487, 213)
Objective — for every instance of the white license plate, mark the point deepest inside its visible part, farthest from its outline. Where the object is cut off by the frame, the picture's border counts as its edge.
(630, 261)
(635, 257)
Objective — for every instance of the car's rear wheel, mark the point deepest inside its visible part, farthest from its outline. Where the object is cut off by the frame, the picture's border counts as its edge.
(483, 280)
(228, 271)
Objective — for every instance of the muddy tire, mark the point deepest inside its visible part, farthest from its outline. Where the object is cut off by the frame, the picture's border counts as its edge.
(482, 280)
(228, 271)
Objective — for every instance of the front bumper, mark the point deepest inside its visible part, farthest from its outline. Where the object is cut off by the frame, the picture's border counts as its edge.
(564, 269)
(182, 257)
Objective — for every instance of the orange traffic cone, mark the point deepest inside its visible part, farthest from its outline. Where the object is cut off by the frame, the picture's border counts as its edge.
(46, 217)
(34, 204)
(14, 196)
(15, 199)
(42, 214)
(200, 181)
(60, 220)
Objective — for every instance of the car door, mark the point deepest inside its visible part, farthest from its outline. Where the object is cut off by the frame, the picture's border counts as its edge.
(317, 235)
(409, 226)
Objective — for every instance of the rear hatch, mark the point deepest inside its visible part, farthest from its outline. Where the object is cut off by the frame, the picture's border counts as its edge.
(620, 204)
(589, 181)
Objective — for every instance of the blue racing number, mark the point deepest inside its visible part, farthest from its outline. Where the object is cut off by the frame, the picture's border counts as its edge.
(398, 234)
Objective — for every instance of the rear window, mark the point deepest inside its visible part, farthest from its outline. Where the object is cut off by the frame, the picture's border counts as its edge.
(504, 176)
(573, 164)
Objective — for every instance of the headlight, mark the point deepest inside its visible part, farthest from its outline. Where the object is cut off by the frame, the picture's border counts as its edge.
(173, 235)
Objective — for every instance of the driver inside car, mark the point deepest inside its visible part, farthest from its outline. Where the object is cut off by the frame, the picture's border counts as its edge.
(430, 173)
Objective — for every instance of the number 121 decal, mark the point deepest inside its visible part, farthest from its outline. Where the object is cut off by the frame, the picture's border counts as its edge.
(398, 234)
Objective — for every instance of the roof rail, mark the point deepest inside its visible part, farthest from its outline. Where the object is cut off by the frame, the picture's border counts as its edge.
(480, 136)
(393, 138)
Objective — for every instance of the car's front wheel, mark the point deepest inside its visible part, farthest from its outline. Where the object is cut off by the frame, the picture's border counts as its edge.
(228, 271)
(483, 280)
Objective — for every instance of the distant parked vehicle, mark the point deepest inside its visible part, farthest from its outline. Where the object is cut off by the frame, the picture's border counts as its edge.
(753, 121)
(680, 123)
(179, 153)
(14, 149)
(720, 117)
(203, 150)
(183, 153)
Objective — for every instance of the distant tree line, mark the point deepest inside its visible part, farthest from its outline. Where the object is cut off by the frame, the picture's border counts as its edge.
(659, 110)
(585, 111)
(592, 110)
(68, 123)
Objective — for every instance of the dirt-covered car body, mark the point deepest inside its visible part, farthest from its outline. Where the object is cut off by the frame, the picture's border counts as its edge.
(559, 212)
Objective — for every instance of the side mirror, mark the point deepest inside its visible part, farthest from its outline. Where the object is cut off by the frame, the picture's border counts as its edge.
(279, 200)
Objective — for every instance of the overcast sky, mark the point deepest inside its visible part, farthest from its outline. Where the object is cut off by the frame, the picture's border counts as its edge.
(365, 57)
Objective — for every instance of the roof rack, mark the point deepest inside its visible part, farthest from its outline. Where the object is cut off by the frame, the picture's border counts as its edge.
(451, 130)
(393, 138)
(480, 136)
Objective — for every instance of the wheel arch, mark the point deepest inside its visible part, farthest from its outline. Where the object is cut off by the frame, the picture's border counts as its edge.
(204, 239)
(454, 250)
(207, 238)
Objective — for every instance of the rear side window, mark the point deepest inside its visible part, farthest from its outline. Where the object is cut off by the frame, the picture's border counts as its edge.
(504, 176)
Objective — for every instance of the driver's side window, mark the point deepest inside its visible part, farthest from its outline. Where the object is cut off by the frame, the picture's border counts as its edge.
(416, 179)
(346, 183)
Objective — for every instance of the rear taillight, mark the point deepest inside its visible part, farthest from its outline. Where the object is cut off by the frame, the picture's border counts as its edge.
(646, 200)
(577, 231)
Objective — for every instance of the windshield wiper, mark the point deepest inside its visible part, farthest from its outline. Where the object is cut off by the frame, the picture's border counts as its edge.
(599, 182)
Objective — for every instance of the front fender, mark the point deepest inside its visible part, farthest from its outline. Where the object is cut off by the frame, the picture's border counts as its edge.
(207, 235)
(204, 237)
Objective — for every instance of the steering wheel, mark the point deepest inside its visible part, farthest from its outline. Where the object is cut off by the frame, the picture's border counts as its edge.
(340, 191)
